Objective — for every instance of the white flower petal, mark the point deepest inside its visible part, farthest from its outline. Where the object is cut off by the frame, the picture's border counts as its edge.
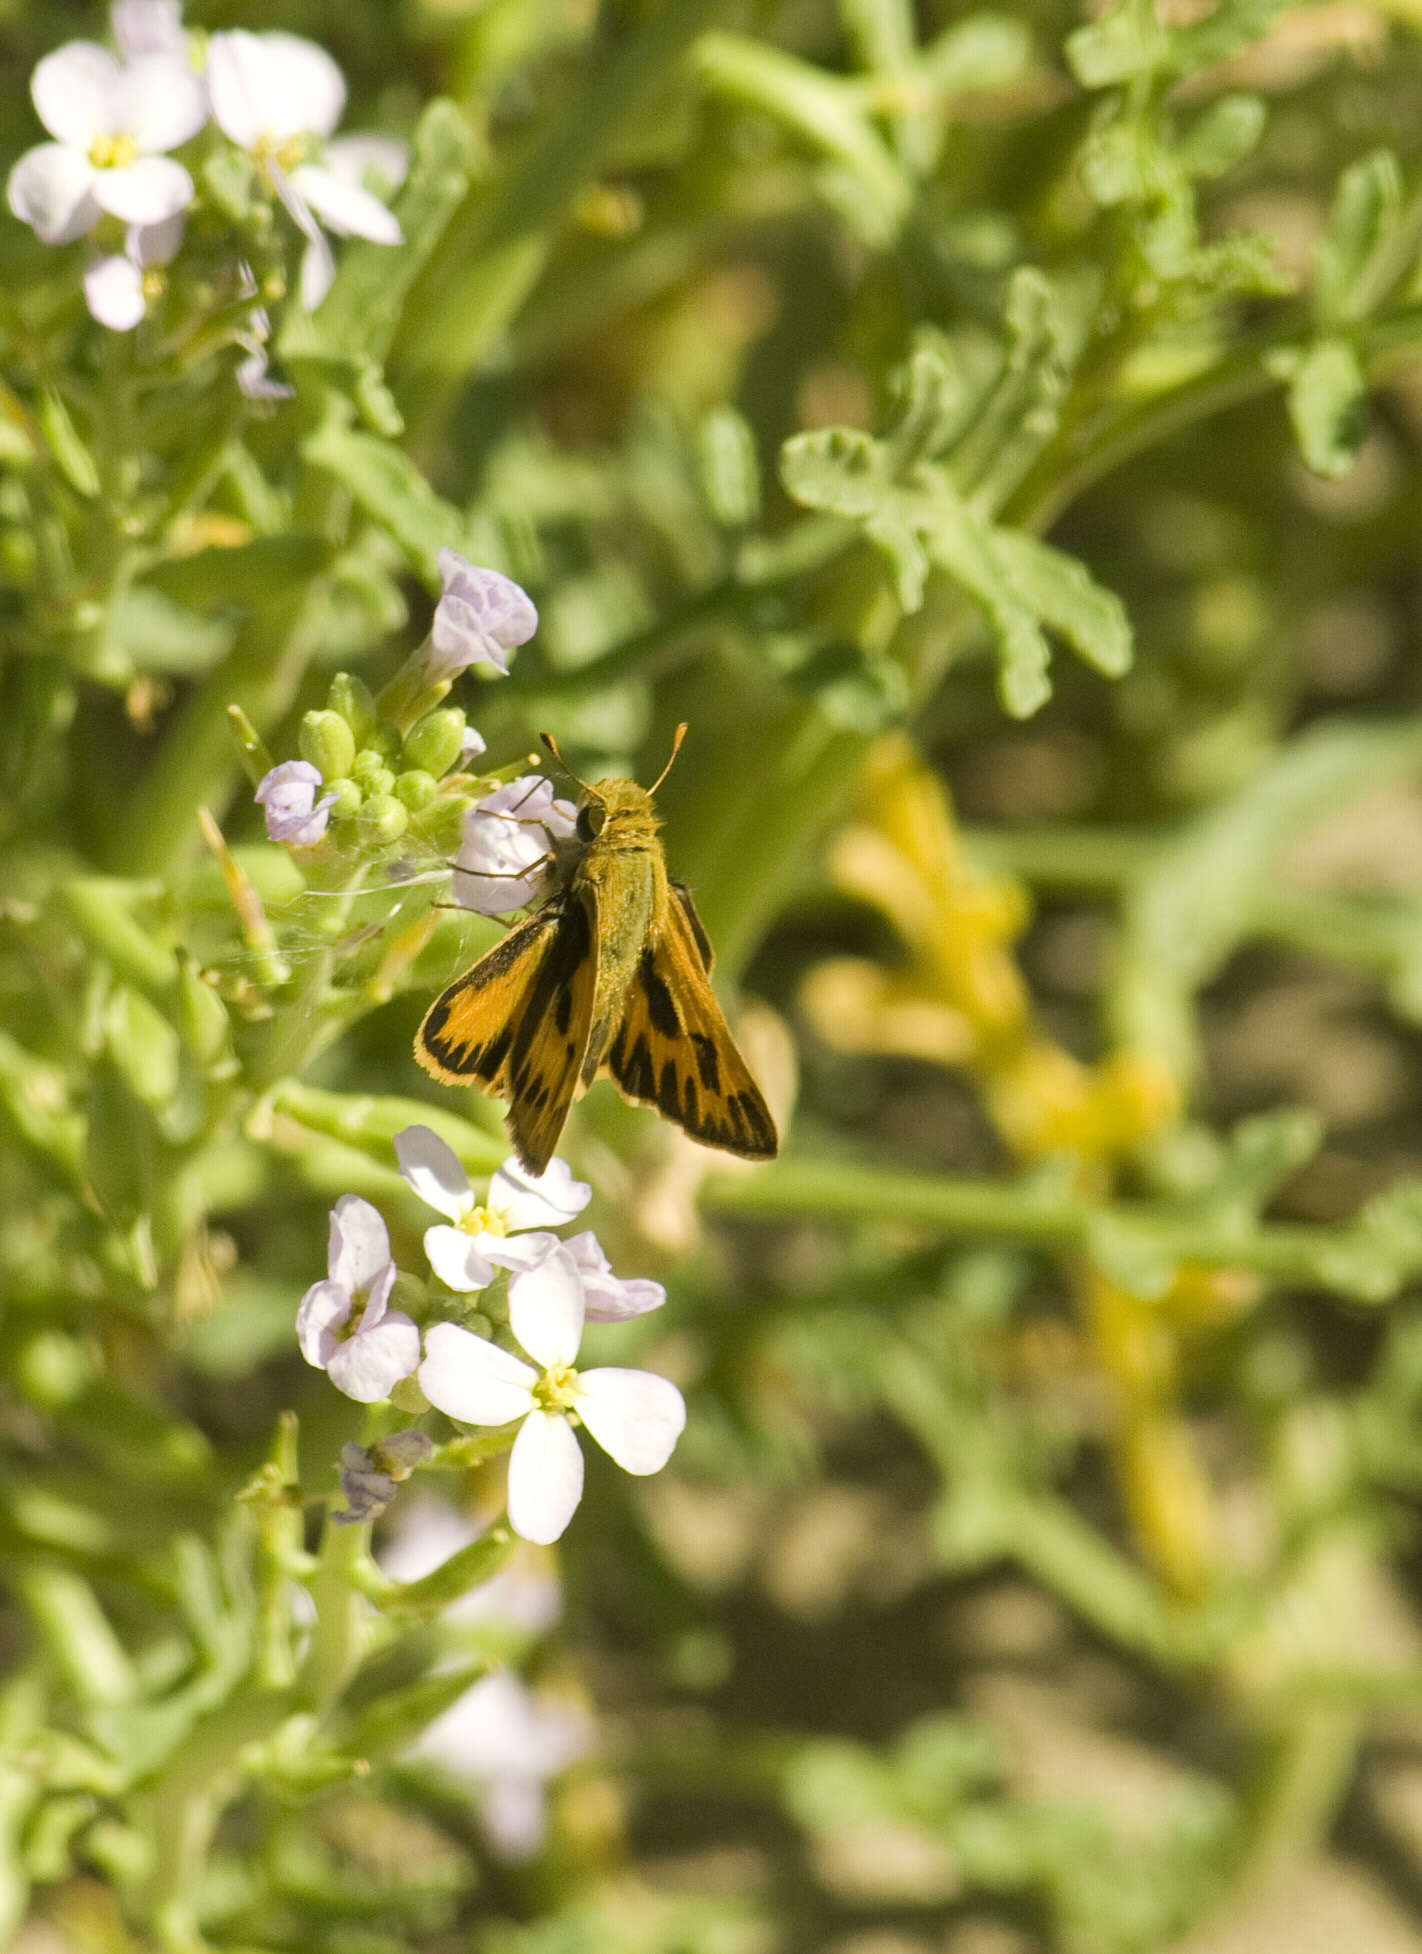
(546, 1309)
(432, 1169)
(145, 192)
(318, 273)
(234, 86)
(513, 1814)
(144, 27)
(369, 1365)
(272, 87)
(518, 1251)
(155, 244)
(459, 1259)
(354, 158)
(77, 92)
(325, 1309)
(545, 1477)
(377, 1297)
(610, 1298)
(113, 292)
(359, 1247)
(288, 794)
(472, 1380)
(162, 103)
(543, 1200)
(51, 189)
(344, 207)
(635, 1417)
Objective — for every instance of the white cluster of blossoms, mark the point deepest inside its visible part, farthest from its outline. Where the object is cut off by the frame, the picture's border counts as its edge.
(346, 1327)
(116, 118)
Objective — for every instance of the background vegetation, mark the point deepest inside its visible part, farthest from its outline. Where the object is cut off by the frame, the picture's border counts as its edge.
(996, 434)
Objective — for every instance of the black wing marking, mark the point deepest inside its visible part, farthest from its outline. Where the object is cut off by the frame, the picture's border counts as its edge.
(517, 1023)
(674, 1050)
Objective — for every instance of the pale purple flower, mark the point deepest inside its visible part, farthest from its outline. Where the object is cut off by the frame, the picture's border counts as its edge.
(345, 1326)
(278, 97)
(481, 617)
(465, 1254)
(115, 289)
(509, 1741)
(508, 856)
(634, 1416)
(288, 795)
(112, 127)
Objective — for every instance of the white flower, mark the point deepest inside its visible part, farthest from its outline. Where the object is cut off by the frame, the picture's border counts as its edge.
(112, 126)
(294, 815)
(278, 96)
(344, 1326)
(510, 1742)
(606, 1297)
(465, 1255)
(481, 617)
(115, 288)
(143, 27)
(508, 855)
(634, 1416)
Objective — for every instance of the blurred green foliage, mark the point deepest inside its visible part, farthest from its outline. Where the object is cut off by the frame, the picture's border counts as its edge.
(995, 432)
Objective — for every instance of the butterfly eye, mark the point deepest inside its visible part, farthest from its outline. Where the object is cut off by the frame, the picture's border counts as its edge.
(590, 820)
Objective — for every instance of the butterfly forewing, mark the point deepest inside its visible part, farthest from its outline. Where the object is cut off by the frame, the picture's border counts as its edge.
(674, 1050)
(517, 1022)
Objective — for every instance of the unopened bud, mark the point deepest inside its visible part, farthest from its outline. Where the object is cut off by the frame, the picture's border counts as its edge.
(435, 743)
(328, 743)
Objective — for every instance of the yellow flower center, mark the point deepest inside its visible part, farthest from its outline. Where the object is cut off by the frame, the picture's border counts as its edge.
(484, 1221)
(557, 1389)
(113, 152)
(285, 156)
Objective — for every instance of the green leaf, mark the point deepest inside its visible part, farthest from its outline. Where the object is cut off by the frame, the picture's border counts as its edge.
(245, 578)
(1365, 210)
(1227, 131)
(157, 634)
(984, 51)
(1063, 594)
(370, 1122)
(839, 469)
(362, 309)
(1121, 45)
(729, 468)
(1328, 406)
(76, 464)
(384, 482)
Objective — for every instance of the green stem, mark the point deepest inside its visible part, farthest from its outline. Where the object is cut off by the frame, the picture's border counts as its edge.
(974, 1209)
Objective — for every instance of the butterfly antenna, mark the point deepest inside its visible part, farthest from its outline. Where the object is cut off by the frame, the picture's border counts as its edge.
(552, 745)
(677, 737)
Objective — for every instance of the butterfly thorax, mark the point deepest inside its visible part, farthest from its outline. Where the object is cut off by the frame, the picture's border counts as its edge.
(622, 870)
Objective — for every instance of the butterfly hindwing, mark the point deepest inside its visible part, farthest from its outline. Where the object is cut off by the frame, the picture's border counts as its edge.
(674, 1050)
(517, 1022)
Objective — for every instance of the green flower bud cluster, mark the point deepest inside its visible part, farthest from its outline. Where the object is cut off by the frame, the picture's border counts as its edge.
(381, 782)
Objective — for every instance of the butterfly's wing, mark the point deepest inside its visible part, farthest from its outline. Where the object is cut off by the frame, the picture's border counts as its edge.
(516, 1023)
(674, 1050)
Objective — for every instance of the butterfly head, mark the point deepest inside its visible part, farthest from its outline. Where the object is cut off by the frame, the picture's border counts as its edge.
(618, 808)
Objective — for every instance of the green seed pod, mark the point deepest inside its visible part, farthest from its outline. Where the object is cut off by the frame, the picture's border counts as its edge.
(327, 742)
(382, 819)
(435, 742)
(416, 789)
(351, 698)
